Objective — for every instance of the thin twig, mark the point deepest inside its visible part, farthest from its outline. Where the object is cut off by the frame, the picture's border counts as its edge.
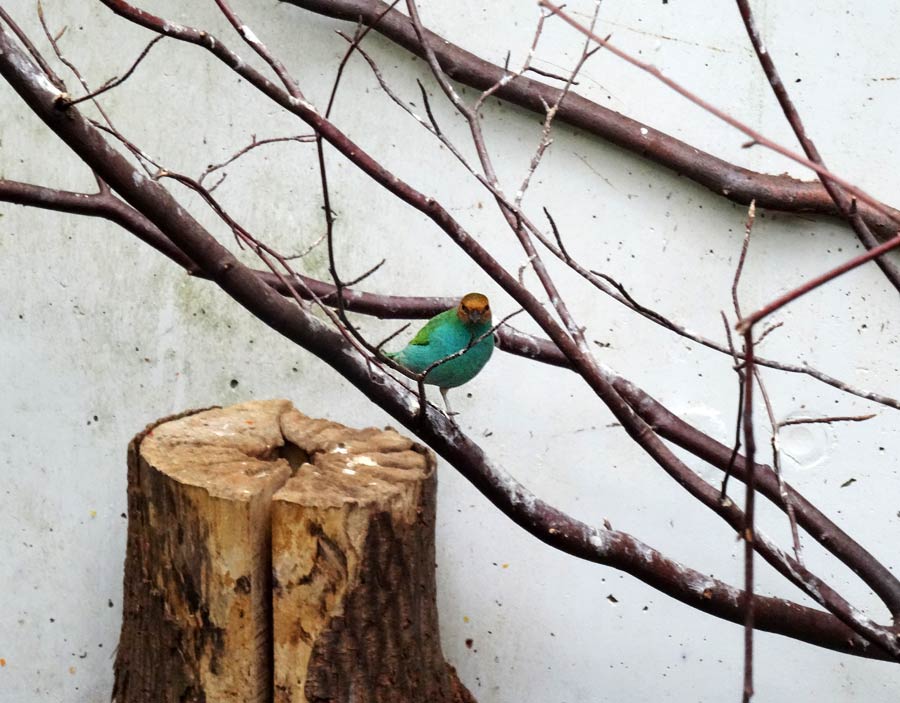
(724, 179)
(512, 218)
(749, 515)
(114, 82)
(254, 144)
(765, 333)
(363, 276)
(548, 74)
(391, 336)
(551, 112)
(54, 44)
(744, 389)
(556, 234)
(746, 376)
(736, 446)
(748, 229)
(339, 285)
(825, 420)
(776, 464)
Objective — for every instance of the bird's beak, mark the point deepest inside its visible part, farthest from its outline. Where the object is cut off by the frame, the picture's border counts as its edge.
(476, 316)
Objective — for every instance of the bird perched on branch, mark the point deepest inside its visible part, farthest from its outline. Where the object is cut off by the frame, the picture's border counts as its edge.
(463, 331)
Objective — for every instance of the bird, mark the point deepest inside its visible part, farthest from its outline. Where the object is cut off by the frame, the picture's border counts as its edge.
(464, 327)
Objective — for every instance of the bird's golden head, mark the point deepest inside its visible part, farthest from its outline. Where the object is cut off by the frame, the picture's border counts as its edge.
(474, 308)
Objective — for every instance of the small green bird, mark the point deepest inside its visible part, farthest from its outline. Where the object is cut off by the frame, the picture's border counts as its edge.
(446, 334)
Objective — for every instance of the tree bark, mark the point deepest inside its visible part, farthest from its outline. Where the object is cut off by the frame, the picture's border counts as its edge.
(272, 556)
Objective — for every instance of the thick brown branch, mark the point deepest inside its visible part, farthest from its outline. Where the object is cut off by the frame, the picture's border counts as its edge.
(103, 205)
(738, 184)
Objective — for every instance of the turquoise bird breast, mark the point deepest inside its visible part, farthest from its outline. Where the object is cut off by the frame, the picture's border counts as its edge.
(447, 333)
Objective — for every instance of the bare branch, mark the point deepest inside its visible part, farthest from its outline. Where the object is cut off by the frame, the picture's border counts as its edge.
(114, 82)
(748, 228)
(739, 415)
(620, 293)
(776, 464)
(749, 513)
(513, 217)
(825, 420)
(254, 144)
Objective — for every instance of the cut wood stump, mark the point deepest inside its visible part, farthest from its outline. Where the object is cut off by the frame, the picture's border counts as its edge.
(276, 557)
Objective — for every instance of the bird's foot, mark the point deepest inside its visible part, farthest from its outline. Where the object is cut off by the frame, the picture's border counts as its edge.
(448, 410)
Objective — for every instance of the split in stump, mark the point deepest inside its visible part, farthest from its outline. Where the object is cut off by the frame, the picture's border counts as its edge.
(272, 556)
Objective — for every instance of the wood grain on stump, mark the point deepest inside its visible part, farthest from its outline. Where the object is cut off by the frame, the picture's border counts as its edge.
(272, 556)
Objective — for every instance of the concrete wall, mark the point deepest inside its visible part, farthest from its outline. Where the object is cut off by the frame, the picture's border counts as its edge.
(101, 335)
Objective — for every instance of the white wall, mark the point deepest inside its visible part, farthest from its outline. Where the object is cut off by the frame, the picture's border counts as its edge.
(101, 335)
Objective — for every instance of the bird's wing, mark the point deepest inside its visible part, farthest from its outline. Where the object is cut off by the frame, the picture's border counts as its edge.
(423, 336)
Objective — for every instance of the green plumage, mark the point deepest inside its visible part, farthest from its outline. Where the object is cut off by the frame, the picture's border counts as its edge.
(444, 335)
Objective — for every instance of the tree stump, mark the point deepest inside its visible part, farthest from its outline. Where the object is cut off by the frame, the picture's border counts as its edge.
(276, 557)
